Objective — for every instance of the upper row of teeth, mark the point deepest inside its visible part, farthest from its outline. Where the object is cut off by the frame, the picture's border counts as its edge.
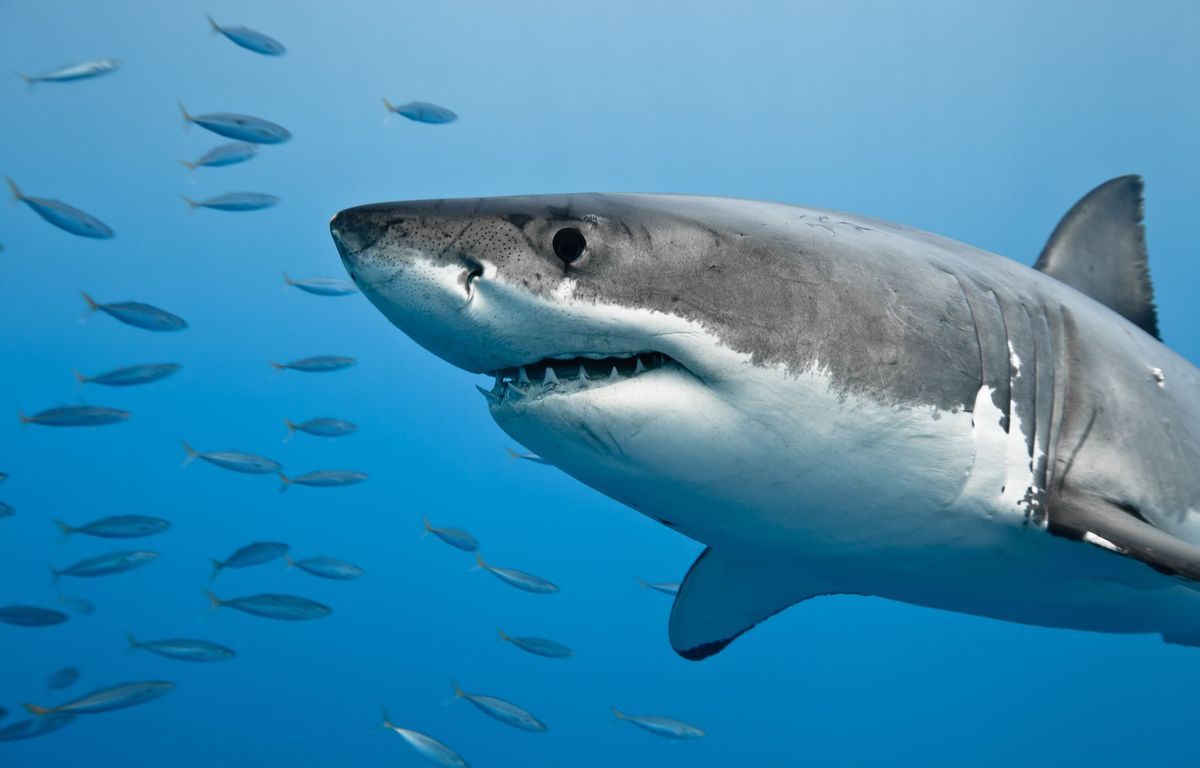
(513, 386)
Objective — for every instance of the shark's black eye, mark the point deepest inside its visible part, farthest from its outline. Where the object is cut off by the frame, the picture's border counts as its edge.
(569, 244)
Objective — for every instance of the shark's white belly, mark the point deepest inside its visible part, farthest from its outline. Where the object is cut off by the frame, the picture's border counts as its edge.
(914, 504)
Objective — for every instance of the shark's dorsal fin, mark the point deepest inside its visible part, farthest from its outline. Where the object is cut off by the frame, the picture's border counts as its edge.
(723, 597)
(1099, 248)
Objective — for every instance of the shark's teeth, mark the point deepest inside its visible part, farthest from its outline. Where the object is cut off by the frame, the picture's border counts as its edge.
(513, 394)
(532, 381)
(492, 398)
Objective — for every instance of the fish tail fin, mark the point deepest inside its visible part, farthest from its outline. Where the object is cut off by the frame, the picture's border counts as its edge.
(617, 713)
(217, 565)
(458, 691)
(24, 419)
(387, 104)
(287, 280)
(502, 633)
(92, 304)
(642, 583)
(288, 561)
(16, 191)
(189, 166)
(479, 563)
(79, 377)
(34, 709)
(426, 523)
(511, 453)
(192, 453)
(291, 428)
(54, 574)
(387, 720)
(214, 602)
(187, 119)
(66, 529)
(216, 28)
(277, 365)
(133, 642)
(284, 482)
(191, 204)
(29, 81)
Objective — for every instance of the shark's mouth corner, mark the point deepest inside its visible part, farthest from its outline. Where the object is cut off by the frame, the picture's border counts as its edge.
(569, 374)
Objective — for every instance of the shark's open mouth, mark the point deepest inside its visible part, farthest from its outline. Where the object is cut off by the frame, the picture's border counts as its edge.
(570, 374)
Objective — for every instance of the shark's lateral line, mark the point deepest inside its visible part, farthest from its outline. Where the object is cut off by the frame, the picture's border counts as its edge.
(832, 404)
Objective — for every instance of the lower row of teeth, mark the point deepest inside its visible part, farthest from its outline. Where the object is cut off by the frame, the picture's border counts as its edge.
(515, 386)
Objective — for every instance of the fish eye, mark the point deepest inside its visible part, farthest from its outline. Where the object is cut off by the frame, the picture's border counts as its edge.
(569, 244)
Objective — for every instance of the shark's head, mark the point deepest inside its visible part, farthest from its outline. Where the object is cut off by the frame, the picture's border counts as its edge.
(648, 345)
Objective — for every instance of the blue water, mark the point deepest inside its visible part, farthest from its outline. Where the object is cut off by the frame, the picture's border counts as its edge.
(980, 122)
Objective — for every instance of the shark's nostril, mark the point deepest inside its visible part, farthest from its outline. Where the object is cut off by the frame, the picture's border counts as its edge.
(474, 274)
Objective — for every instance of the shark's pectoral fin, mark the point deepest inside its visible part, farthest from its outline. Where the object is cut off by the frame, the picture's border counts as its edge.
(1099, 248)
(724, 596)
(1111, 526)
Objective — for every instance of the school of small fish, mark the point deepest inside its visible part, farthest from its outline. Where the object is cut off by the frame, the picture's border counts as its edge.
(247, 135)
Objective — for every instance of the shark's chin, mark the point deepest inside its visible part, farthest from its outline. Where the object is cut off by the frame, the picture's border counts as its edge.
(623, 436)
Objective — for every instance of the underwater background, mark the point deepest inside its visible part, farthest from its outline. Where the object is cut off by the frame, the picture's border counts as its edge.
(984, 122)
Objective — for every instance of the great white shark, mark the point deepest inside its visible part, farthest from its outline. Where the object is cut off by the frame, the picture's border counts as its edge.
(830, 403)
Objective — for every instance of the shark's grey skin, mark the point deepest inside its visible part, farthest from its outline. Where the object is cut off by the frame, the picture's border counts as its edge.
(833, 404)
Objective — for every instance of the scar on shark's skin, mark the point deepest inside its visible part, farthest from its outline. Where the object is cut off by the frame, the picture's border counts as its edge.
(859, 410)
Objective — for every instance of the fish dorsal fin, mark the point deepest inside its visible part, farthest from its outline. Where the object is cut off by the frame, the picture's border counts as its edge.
(1099, 248)
(723, 596)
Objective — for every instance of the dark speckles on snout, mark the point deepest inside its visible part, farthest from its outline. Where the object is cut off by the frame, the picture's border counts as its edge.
(519, 220)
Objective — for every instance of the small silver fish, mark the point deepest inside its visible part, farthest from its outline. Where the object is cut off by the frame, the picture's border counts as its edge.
(76, 416)
(30, 616)
(235, 201)
(326, 568)
(106, 565)
(322, 286)
(250, 39)
(519, 579)
(270, 606)
(77, 604)
(63, 678)
(183, 649)
(531, 457)
(455, 537)
(239, 127)
(117, 527)
(426, 746)
(422, 112)
(256, 553)
(130, 376)
(236, 461)
(317, 364)
(84, 71)
(65, 217)
(33, 727)
(538, 646)
(661, 726)
(666, 587)
(323, 478)
(321, 426)
(504, 711)
(108, 699)
(223, 155)
(137, 314)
